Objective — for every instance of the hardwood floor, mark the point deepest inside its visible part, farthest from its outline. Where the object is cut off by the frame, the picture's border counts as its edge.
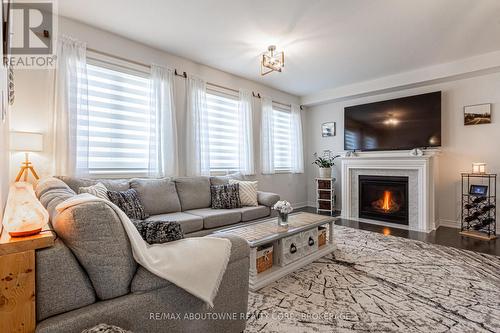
(442, 236)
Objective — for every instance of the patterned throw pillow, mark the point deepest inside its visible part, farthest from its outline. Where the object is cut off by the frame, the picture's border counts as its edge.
(158, 232)
(103, 328)
(248, 192)
(98, 190)
(128, 201)
(225, 196)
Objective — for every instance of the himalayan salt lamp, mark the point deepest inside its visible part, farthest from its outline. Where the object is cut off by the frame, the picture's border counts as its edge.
(24, 214)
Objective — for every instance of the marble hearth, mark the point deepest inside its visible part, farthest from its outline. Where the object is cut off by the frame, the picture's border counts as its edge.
(420, 171)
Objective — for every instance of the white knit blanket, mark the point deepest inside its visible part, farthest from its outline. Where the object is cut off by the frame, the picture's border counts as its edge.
(196, 265)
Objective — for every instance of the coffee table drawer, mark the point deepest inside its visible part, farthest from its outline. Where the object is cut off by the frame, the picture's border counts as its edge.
(296, 246)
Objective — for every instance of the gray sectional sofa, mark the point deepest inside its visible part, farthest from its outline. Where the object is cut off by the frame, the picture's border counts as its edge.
(90, 276)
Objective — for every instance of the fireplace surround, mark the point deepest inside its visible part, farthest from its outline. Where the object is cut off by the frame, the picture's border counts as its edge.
(421, 172)
(383, 198)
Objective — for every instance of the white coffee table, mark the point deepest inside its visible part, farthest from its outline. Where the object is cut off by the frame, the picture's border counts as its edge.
(269, 232)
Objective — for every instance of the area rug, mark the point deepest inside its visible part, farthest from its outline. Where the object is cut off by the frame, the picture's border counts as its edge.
(377, 283)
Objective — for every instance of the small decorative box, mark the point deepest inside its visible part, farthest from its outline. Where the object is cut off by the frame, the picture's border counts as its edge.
(264, 258)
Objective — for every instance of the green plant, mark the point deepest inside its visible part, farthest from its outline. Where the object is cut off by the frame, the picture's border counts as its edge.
(325, 161)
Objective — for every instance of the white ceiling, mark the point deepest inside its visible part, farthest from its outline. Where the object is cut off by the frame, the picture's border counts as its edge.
(327, 43)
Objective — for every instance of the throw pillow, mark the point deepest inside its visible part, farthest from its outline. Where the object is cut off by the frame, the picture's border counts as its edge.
(158, 232)
(98, 190)
(103, 328)
(248, 192)
(225, 196)
(128, 201)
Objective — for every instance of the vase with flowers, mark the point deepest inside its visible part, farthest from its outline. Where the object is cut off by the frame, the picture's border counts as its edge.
(283, 208)
(325, 163)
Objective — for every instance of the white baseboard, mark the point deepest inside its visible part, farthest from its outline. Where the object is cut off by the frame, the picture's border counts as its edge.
(448, 223)
(312, 204)
(300, 205)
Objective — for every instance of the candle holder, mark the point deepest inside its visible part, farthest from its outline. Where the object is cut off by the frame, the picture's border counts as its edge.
(478, 168)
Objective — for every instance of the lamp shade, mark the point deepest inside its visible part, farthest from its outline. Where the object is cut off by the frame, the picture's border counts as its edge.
(26, 141)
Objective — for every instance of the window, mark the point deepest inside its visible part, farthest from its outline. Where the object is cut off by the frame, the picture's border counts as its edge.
(118, 120)
(282, 121)
(223, 131)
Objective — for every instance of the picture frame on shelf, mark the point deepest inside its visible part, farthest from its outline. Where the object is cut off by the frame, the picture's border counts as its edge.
(478, 190)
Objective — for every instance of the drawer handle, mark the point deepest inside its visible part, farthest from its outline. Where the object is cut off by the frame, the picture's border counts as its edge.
(311, 241)
(293, 248)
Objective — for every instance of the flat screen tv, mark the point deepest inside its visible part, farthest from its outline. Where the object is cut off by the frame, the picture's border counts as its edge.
(397, 124)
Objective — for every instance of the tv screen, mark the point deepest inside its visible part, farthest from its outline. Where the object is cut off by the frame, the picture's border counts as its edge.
(403, 123)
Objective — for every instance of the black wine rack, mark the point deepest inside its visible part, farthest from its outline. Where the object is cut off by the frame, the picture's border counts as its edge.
(479, 211)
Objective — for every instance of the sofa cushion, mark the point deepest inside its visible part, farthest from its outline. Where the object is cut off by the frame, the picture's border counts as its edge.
(158, 196)
(111, 184)
(61, 283)
(253, 213)
(213, 218)
(50, 184)
(224, 180)
(95, 235)
(51, 198)
(194, 192)
(189, 222)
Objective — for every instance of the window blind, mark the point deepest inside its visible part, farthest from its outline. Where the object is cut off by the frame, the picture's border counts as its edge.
(282, 138)
(223, 131)
(118, 121)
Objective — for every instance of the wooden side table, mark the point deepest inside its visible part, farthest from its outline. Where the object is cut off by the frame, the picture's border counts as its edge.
(17, 280)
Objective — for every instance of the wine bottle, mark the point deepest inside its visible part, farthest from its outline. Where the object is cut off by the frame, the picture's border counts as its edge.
(470, 206)
(478, 200)
(484, 223)
(487, 208)
(471, 217)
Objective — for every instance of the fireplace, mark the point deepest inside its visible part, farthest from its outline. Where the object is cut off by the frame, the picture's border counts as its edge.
(384, 198)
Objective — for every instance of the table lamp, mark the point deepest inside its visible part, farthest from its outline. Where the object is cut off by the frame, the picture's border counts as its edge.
(26, 142)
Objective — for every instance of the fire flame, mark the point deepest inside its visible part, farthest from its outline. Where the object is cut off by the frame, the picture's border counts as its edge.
(387, 201)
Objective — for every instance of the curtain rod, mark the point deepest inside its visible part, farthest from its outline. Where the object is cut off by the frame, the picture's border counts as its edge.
(183, 75)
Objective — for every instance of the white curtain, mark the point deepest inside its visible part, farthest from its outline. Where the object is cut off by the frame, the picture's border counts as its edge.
(267, 138)
(297, 154)
(163, 154)
(197, 150)
(70, 103)
(246, 151)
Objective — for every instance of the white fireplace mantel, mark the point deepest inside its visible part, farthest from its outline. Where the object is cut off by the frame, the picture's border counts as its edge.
(420, 169)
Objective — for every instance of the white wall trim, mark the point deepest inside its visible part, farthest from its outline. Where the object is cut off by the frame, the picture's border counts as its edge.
(300, 205)
(469, 67)
(449, 223)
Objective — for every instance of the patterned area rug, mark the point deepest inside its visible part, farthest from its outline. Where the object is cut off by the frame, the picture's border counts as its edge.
(382, 283)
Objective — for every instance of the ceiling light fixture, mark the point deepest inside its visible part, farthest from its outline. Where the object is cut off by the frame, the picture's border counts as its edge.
(271, 62)
(391, 121)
